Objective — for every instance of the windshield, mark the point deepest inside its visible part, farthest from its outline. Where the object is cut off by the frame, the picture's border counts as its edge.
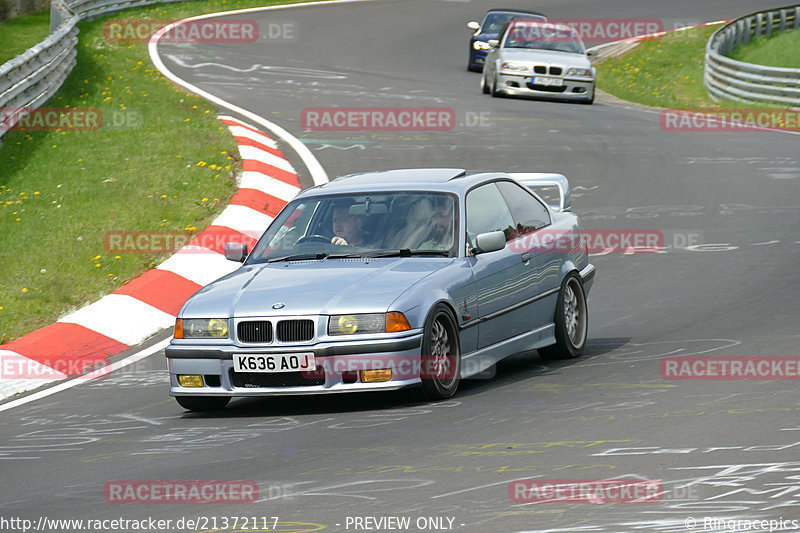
(494, 22)
(362, 225)
(543, 37)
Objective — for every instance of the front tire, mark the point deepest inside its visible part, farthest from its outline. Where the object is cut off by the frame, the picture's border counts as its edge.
(202, 403)
(496, 93)
(484, 84)
(441, 356)
(571, 320)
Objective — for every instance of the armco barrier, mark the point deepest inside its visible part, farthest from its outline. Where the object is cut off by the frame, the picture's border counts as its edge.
(31, 78)
(727, 78)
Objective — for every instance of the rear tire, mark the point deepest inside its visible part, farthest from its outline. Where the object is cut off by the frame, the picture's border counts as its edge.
(571, 320)
(202, 403)
(441, 356)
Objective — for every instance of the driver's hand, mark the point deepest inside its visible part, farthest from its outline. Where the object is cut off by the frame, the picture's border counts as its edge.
(338, 240)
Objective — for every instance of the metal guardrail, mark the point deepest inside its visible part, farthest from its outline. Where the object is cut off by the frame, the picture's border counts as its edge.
(746, 82)
(31, 78)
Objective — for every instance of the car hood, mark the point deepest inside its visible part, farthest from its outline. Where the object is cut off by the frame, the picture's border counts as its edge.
(565, 59)
(311, 287)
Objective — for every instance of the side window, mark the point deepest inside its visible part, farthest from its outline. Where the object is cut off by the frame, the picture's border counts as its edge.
(487, 211)
(528, 212)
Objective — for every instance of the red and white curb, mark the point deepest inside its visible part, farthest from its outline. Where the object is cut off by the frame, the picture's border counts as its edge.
(83, 340)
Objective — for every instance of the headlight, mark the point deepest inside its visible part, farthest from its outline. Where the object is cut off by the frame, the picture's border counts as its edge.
(515, 67)
(579, 72)
(201, 328)
(367, 323)
(480, 45)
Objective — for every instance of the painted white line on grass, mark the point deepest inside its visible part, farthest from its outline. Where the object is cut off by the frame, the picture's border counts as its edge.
(257, 154)
(138, 356)
(121, 317)
(269, 185)
(240, 131)
(198, 264)
(244, 220)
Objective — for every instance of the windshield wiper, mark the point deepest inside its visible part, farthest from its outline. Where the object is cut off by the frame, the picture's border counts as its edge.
(405, 252)
(345, 256)
(298, 257)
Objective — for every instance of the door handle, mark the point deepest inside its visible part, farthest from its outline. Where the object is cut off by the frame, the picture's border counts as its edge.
(526, 257)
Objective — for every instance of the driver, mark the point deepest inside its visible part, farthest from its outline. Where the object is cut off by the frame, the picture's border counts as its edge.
(346, 227)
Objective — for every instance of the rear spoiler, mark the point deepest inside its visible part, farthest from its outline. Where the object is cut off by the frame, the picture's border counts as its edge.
(547, 179)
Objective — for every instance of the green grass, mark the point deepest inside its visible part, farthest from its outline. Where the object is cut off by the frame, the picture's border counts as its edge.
(171, 167)
(661, 72)
(778, 50)
(668, 71)
(19, 34)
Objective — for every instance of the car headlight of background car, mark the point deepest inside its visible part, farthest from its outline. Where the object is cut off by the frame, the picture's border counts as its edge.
(585, 72)
(480, 45)
(201, 328)
(367, 323)
(512, 66)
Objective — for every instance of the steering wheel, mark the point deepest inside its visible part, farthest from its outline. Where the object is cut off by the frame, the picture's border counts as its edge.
(313, 238)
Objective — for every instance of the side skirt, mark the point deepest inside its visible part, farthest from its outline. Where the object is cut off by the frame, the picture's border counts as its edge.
(478, 361)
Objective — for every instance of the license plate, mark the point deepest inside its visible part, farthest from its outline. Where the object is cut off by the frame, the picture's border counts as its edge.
(552, 82)
(260, 362)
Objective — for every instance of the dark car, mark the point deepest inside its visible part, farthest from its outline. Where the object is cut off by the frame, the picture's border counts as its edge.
(493, 23)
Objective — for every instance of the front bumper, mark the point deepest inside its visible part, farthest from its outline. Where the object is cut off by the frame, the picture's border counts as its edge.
(340, 362)
(572, 88)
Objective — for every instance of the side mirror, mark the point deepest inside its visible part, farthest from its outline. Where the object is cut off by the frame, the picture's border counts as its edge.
(592, 52)
(489, 242)
(474, 26)
(235, 251)
(494, 43)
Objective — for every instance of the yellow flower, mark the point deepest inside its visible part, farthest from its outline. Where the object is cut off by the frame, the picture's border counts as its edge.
(188, 120)
(163, 196)
(24, 290)
(205, 199)
(98, 265)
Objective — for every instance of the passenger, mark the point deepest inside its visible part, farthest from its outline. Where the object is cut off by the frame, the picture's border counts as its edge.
(441, 235)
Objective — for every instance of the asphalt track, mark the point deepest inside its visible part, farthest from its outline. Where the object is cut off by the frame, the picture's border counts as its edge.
(723, 449)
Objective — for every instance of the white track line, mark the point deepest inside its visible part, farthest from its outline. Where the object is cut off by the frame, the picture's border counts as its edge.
(318, 173)
(138, 356)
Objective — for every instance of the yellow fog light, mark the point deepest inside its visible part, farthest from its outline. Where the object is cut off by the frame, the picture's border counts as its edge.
(190, 380)
(218, 327)
(348, 324)
(374, 376)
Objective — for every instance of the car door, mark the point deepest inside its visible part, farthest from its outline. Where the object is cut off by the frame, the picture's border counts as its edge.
(540, 278)
(498, 276)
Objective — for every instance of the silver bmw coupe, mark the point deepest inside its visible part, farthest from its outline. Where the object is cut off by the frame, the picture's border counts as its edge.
(540, 59)
(412, 278)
